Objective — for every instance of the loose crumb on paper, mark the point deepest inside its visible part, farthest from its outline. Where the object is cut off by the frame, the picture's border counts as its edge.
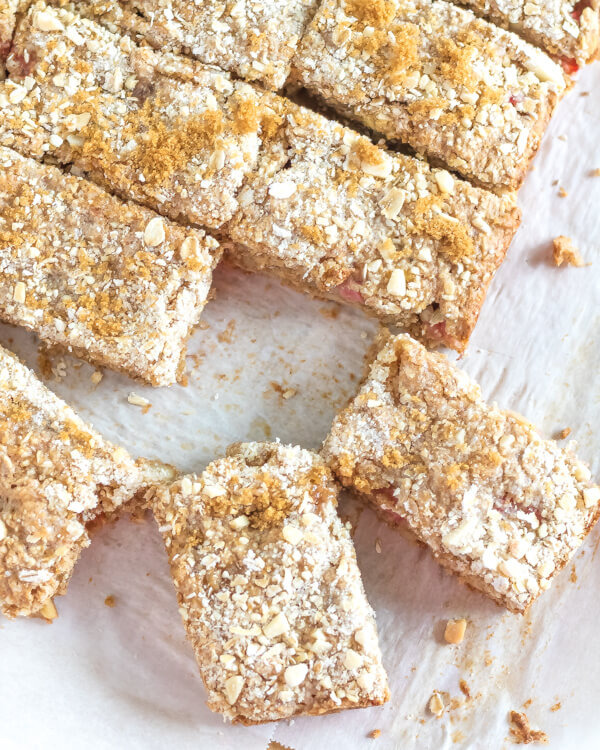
(375, 734)
(48, 612)
(563, 433)
(521, 732)
(96, 377)
(562, 193)
(564, 251)
(455, 631)
(596, 172)
(135, 400)
(465, 689)
(226, 335)
(110, 601)
(556, 706)
(437, 705)
(378, 546)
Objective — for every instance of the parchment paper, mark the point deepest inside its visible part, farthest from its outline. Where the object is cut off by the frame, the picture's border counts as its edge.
(124, 677)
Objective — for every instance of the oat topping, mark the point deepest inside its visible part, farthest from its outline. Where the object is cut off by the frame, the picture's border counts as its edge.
(103, 278)
(56, 475)
(255, 39)
(567, 29)
(268, 586)
(564, 251)
(330, 212)
(432, 75)
(161, 130)
(498, 505)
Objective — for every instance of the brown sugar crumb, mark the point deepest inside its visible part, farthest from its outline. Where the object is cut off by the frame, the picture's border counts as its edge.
(556, 706)
(464, 689)
(564, 251)
(562, 193)
(375, 734)
(455, 631)
(226, 335)
(110, 601)
(377, 13)
(522, 734)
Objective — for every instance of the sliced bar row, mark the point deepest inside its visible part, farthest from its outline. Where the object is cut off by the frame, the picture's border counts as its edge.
(299, 195)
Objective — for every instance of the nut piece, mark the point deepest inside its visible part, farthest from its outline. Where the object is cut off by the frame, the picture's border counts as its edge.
(136, 400)
(591, 496)
(19, 293)
(397, 283)
(278, 625)
(154, 234)
(45, 21)
(282, 190)
(233, 688)
(445, 181)
(352, 660)
(436, 705)
(48, 611)
(455, 631)
(295, 675)
(565, 252)
(291, 534)
(189, 248)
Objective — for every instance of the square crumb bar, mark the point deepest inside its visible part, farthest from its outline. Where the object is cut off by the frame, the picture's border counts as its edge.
(254, 39)
(112, 281)
(269, 588)
(497, 505)
(56, 475)
(567, 29)
(154, 128)
(432, 75)
(330, 213)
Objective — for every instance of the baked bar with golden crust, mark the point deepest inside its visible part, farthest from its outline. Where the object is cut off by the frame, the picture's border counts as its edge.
(566, 29)
(56, 475)
(164, 131)
(427, 73)
(111, 281)
(330, 213)
(268, 586)
(254, 39)
(499, 506)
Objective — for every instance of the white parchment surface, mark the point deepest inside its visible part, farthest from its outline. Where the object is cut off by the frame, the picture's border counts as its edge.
(124, 677)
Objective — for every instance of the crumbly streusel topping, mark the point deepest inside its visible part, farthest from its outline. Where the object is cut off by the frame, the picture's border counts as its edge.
(569, 29)
(161, 130)
(252, 38)
(435, 76)
(110, 279)
(495, 502)
(331, 211)
(56, 475)
(268, 586)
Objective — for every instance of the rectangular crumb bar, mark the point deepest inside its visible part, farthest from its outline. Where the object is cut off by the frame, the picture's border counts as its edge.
(253, 39)
(56, 475)
(269, 588)
(112, 281)
(567, 29)
(331, 213)
(154, 128)
(455, 88)
(499, 506)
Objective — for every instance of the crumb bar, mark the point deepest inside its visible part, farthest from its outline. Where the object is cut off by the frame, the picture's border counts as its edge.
(499, 506)
(56, 475)
(112, 281)
(567, 29)
(154, 128)
(253, 39)
(269, 588)
(457, 89)
(331, 213)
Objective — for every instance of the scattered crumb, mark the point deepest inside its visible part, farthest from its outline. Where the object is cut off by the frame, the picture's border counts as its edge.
(556, 706)
(375, 734)
(50, 362)
(564, 433)
(465, 690)
(283, 390)
(458, 736)
(436, 705)
(596, 172)
(135, 400)
(562, 137)
(522, 733)
(562, 193)
(289, 393)
(554, 183)
(110, 601)
(455, 631)
(528, 703)
(564, 251)
(378, 546)
(332, 312)
(573, 576)
(226, 335)
(96, 377)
